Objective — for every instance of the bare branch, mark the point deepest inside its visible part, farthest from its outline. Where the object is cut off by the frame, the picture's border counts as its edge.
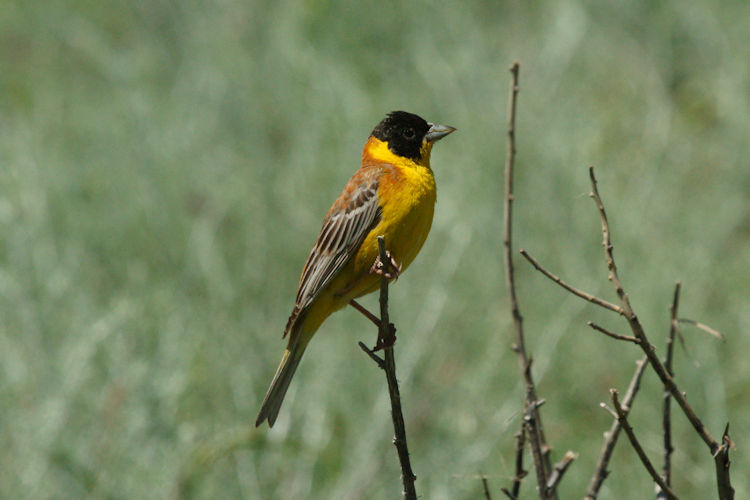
(532, 419)
(608, 333)
(380, 362)
(638, 332)
(610, 437)
(520, 471)
(721, 458)
(607, 244)
(508, 494)
(623, 419)
(667, 397)
(387, 338)
(531, 427)
(558, 470)
(703, 327)
(586, 296)
(673, 327)
(367, 314)
(486, 488)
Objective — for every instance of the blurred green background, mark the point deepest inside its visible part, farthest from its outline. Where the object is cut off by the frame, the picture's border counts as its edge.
(164, 170)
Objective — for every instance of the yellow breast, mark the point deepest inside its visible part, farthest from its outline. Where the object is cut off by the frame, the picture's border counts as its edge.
(407, 195)
(408, 205)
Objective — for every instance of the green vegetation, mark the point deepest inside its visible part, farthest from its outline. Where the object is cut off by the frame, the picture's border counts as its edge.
(164, 169)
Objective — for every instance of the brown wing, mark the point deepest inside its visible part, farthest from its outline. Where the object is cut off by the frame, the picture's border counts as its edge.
(347, 224)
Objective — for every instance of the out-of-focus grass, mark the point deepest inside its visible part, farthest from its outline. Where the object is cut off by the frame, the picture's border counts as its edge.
(164, 168)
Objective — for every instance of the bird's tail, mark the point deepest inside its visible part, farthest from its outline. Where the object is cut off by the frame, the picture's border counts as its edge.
(269, 410)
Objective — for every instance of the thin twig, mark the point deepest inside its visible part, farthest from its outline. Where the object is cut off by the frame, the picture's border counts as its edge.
(531, 427)
(537, 441)
(386, 338)
(703, 327)
(520, 471)
(667, 397)
(367, 314)
(721, 458)
(607, 244)
(614, 335)
(558, 470)
(610, 437)
(373, 356)
(586, 296)
(486, 488)
(508, 494)
(622, 417)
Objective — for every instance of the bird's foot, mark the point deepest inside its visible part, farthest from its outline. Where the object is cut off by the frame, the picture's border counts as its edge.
(388, 341)
(394, 267)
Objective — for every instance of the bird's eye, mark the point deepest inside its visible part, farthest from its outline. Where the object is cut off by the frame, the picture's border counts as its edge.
(408, 133)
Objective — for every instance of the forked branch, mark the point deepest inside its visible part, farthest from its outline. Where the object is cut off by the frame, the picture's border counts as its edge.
(622, 417)
(610, 437)
(720, 451)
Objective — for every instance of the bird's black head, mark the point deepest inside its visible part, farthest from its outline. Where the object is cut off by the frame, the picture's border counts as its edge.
(404, 133)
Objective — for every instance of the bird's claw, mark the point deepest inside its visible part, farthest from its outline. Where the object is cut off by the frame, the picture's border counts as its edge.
(394, 267)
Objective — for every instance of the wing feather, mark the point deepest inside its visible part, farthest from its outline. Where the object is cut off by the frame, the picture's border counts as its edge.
(340, 237)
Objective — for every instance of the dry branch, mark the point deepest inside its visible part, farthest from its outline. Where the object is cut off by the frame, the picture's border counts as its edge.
(614, 335)
(575, 291)
(367, 314)
(667, 397)
(532, 420)
(558, 470)
(720, 452)
(520, 471)
(721, 459)
(620, 414)
(720, 455)
(386, 339)
(610, 437)
(486, 489)
(703, 327)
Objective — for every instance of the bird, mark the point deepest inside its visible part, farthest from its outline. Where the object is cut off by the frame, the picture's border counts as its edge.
(393, 194)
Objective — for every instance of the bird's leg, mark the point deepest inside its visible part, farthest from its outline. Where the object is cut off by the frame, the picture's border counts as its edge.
(395, 267)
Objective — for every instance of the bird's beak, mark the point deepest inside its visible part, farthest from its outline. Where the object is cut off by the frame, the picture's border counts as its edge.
(437, 132)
